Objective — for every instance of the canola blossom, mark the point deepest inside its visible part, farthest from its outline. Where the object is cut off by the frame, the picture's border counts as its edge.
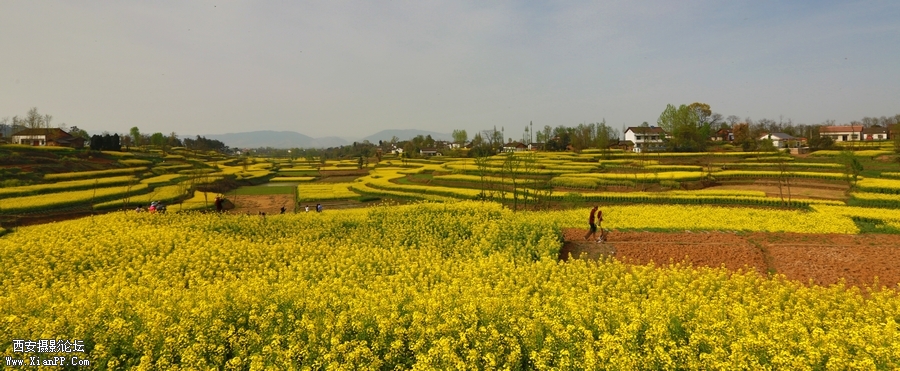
(325, 191)
(70, 198)
(879, 185)
(712, 218)
(96, 173)
(432, 286)
(65, 186)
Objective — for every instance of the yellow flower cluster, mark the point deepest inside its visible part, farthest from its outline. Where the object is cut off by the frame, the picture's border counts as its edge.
(826, 165)
(136, 162)
(433, 286)
(65, 199)
(65, 185)
(325, 191)
(697, 217)
(292, 179)
(93, 174)
(643, 177)
(199, 201)
(726, 174)
(164, 193)
(865, 153)
(478, 179)
(161, 179)
(889, 216)
(879, 185)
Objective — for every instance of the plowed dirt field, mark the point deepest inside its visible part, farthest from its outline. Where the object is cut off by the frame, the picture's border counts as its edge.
(808, 258)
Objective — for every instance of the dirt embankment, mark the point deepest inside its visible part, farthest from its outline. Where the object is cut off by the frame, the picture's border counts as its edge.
(859, 260)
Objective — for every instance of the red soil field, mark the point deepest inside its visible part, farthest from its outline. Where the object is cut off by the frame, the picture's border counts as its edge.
(819, 259)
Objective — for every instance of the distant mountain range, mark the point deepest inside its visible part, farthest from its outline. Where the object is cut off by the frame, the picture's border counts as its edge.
(407, 134)
(292, 139)
(275, 139)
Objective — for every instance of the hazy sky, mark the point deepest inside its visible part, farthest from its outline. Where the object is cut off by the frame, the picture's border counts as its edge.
(350, 69)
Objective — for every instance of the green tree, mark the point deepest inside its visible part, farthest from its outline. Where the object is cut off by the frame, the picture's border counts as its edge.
(460, 137)
(79, 133)
(158, 139)
(852, 167)
(135, 136)
(895, 131)
(683, 127)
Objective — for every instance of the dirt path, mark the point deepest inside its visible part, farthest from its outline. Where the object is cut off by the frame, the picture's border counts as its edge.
(820, 259)
(271, 204)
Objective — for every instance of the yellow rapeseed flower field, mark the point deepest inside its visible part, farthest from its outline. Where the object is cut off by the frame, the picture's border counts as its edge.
(325, 191)
(465, 285)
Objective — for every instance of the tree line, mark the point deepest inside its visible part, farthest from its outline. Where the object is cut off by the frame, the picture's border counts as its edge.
(690, 127)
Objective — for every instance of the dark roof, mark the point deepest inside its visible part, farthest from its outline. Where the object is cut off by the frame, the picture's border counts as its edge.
(645, 130)
(779, 136)
(841, 129)
(875, 130)
(50, 133)
(514, 144)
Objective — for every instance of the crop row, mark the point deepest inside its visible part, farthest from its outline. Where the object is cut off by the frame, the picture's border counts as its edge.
(891, 186)
(864, 153)
(642, 177)
(325, 191)
(94, 174)
(71, 185)
(690, 199)
(166, 194)
(875, 199)
(70, 198)
(737, 165)
(292, 179)
(733, 174)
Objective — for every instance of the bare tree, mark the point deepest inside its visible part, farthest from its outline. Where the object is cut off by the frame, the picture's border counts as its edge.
(34, 120)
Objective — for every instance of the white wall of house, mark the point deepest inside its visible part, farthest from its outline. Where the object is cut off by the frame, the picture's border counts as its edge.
(30, 140)
(776, 141)
(844, 136)
(649, 141)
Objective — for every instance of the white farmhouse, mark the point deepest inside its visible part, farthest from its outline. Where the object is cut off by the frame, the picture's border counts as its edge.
(645, 138)
(779, 140)
(847, 133)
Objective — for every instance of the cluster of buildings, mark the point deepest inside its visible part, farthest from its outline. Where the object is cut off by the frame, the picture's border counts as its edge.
(637, 138)
(44, 137)
(651, 138)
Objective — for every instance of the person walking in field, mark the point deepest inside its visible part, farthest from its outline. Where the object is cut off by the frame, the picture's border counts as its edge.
(592, 222)
(596, 220)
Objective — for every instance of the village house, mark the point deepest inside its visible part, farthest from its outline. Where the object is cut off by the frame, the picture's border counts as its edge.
(645, 138)
(47, 137)
(876, 132)
(624, 145)
(780, 140)
(515, 147)
(723, 135)
(846, 133)
(430, 152)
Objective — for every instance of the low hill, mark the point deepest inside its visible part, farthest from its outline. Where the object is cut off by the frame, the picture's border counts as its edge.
(406, 134)
(275, 139)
